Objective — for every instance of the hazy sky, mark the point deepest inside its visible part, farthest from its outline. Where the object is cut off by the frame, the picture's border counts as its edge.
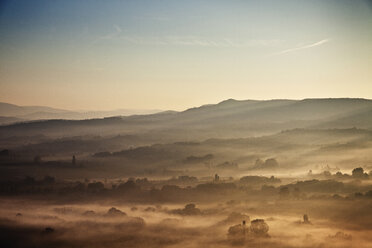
(170, 54)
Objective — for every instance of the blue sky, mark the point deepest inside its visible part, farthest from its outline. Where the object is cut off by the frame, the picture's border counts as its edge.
(178, 54)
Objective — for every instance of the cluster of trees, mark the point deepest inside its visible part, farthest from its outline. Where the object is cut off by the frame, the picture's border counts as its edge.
(183, 180)
(242, 233)
(259, 180)
(368, 194)
(176, 190)
(198, 159)
(189, 209)
(357, 173)
(270, 163)
(136, 189)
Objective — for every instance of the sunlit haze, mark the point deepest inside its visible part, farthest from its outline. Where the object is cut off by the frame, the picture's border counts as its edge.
(188, 124)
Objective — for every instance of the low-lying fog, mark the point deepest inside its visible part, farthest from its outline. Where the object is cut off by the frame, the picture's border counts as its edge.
(293, 174)
(249, 212)
(35, 224)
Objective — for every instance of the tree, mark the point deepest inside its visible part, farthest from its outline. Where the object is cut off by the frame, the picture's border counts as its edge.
(114, 212)
(271, 163)
(327, 174)
(358, 172)
(296, 193)
(130, 185)
(306, 219)
(284, 193)
(259, 227)
(97, 186)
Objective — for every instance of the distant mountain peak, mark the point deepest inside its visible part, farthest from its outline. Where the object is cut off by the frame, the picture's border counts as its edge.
(228, 100)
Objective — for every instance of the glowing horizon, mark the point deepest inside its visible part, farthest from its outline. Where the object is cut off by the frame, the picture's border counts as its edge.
(174, 55)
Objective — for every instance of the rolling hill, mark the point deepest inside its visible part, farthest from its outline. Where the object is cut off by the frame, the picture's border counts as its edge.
(10, 113)
(227, 119)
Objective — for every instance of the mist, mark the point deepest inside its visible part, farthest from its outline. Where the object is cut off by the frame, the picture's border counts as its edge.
(185, 124)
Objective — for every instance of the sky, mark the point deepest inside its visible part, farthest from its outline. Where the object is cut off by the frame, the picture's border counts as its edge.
(169, 54)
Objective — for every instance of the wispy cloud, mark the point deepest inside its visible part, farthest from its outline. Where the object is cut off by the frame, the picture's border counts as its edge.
(184, 40)
(153, 18)
(113, 34)
(319, 43)
(196, 41)
(116, 33)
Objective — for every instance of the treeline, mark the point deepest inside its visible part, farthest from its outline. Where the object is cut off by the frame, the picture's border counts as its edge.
(144, 190)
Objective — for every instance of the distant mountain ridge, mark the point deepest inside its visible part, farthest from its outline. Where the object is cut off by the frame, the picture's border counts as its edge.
(10, 113)
(11, 110)
(227, 119)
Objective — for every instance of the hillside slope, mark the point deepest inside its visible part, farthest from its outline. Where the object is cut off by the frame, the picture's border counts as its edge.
(229, 118)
